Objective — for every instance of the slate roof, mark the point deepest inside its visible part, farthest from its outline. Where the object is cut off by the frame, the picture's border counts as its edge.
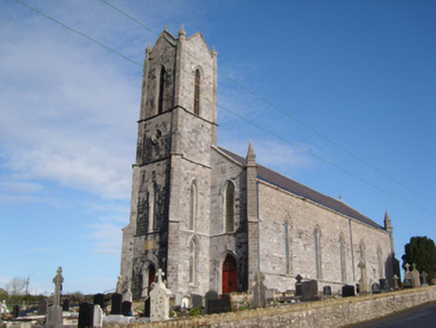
(274, 178)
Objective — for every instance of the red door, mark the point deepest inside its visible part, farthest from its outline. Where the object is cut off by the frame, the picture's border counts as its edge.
(151, 274)
(230, 275)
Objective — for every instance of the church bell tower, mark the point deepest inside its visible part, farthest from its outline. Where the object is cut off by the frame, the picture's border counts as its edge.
(176, 129)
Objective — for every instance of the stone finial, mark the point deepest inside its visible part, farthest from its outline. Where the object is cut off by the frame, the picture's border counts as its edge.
(166, 27)
(214, 53)
(182, 31)
(251, 156)
(388, 223)
(148, 49)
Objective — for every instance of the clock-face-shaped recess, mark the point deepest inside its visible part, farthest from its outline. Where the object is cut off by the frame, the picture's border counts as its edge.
(156, 136)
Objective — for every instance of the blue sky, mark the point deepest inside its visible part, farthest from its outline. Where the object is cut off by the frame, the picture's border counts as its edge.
(360, 74)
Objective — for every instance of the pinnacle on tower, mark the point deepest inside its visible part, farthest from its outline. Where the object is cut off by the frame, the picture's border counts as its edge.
(388, 223)
(182, 31)
(251, 156)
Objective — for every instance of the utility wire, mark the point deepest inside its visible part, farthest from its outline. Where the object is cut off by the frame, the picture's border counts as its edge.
(239, 116)
(80, 33)
(283, 112)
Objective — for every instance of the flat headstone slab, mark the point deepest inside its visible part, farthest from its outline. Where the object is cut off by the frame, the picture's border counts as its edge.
(348, 291)
(126, 308)
(197, 300)
(66, 305)
(309, 291)
(375, 288)
(211, 295)
(117, 300)
(327, 291)
(43, 307)
(99, 300)
(147, 308)
(86, 315)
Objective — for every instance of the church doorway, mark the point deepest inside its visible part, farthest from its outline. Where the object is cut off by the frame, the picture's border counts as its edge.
(151, 274)
(230, 275)
(148, 279)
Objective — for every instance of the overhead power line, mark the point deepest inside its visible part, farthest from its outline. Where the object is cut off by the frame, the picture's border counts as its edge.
(238, 115)
(283, 112)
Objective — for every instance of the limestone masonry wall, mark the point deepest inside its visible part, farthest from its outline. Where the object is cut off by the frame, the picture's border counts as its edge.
(329, 313)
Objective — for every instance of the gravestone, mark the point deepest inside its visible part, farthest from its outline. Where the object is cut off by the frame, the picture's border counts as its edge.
(384, 285)
(86, 315)
(395, 279)
(416, 278)
(126, 308)
(197, 300)
(99, 300)
(3, 308)
(309, 291)
(54, 313)
(186, 303)
(327, 291)
(42, 306)
(66, 305)
(116, 303)
(211, 295)
(15, 311)
(119, 289)
(298, 279)
(98, 316)
(348, 291)
(259, 295)
(160, 300)
(222, 305)
(147, 307)
(408, 277)
(375, 288)
(363, 282)
(128, 296)
(424, 276)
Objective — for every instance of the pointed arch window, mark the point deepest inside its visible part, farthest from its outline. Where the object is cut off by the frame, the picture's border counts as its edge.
(193, 207)
(380, 263)
(162, 79)
(192, 261)
(197, 93)
(153, 209)
(342, 258)
(318, 261)
(229, 206)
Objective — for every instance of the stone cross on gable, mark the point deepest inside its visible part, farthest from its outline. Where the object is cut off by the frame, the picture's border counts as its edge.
(58, 280)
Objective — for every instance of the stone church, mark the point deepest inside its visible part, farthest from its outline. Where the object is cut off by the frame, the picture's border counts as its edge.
(209, 218)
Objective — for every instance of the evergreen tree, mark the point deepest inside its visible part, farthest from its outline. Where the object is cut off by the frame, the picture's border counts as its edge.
(422, 252)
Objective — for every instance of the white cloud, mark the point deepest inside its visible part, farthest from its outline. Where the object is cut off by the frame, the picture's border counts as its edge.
(107, 236)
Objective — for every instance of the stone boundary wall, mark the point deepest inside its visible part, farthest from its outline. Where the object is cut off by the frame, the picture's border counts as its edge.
(335, 312)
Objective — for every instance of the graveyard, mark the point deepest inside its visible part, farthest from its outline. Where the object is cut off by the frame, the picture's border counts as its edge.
(304, 305)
